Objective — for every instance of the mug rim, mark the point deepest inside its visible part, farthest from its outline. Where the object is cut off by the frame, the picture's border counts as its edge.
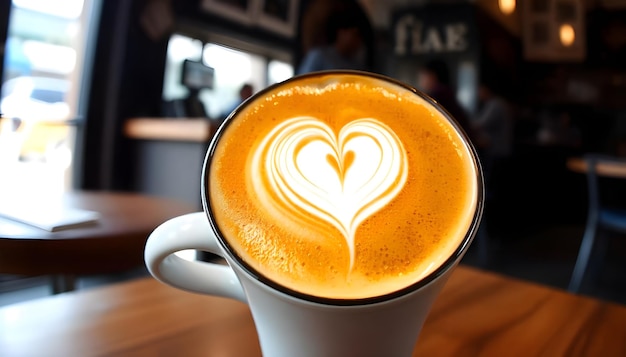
(433, 275)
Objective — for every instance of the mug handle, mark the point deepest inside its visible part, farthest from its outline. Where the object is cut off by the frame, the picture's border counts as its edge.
(190, 231)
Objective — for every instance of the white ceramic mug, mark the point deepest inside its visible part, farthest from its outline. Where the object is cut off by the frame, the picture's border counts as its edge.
(289, 324)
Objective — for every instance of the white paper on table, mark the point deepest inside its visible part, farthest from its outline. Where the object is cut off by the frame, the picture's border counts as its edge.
(51, 217)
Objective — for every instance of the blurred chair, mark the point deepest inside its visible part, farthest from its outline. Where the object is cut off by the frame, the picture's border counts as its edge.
(599, 217)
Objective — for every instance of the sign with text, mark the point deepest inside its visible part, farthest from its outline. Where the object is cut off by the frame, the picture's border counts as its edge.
(434, 30)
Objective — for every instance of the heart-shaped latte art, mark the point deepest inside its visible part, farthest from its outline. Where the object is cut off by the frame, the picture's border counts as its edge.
(303, 169)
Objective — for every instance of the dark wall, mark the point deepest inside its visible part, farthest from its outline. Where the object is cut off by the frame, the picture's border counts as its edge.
(606, 39)
(500, 54)
(191, 18)
(127, 82)
(5, 7)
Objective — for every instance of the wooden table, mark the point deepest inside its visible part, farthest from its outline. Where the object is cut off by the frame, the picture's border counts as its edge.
(610, 168)
(477, 314)
(115, 243)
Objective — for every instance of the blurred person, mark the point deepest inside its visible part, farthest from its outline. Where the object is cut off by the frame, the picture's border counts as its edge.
(557, 130)
(245, 92)
(493, 127)
(493, 137)
(346, 45)
(434, 80)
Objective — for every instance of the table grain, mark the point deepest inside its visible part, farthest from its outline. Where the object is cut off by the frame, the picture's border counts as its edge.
(477, 314)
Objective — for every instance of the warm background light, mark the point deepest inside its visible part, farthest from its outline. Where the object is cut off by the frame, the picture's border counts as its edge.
(567, 35)
(506, 6)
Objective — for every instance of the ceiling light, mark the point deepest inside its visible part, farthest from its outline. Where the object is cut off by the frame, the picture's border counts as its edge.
(506, 6)
(567, 35)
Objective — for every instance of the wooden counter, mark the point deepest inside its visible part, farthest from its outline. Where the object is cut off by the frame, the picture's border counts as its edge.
(168, 155)
(173, 129)
(613, 167)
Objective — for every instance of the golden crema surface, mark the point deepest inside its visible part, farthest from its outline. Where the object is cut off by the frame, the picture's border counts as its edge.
(342, 186)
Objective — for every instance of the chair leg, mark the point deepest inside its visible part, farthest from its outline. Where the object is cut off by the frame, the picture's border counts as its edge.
(599, 253)
(482, 238)
(63, 283)
(586, 246)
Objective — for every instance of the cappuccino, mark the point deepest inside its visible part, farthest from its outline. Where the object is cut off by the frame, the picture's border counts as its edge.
(342, 185)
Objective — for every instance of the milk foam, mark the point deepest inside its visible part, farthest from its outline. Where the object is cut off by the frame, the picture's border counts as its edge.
(341, 178)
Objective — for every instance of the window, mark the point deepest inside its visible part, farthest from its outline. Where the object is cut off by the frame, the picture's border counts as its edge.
(279, 71)
(233, 67)
(44, 66)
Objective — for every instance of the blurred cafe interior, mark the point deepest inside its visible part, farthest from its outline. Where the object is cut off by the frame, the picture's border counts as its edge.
(124, 96)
